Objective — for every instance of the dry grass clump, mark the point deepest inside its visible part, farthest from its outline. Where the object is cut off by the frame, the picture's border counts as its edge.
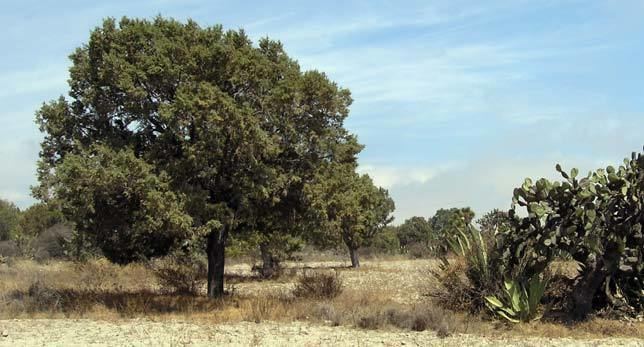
(179, 275)
(267, 308)
(318, 285)
(417, 318)
(453, 290)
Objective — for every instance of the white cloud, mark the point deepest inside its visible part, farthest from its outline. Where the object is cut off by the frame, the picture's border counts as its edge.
(395, 176)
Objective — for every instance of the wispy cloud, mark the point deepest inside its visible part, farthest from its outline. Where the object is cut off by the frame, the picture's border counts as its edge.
(394, 176)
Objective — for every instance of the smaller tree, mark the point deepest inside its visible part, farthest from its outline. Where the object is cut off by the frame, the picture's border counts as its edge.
(492, 224)
(9, 218)
(386, 241)
(448, 224)
(495, 222)
(357, 211)
(415, 230)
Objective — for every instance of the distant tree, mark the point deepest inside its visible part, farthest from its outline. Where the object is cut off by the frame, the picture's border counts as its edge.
(37, 218)
(447, 223)
(9, 218)
(415, 230)
(386, 241)
(223, 127)
(356, 209)
(494, 222)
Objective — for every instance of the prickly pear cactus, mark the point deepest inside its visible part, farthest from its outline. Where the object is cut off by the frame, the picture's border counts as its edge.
(596, 219)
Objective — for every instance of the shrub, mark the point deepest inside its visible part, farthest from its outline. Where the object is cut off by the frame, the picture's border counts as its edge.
(51, 243)
(470, 277)
(419, 250)
(327, 312)
(418, 318)
(41, 297)
(97, 274)
(38, 218)
(9, 249)
(318, 285)
(454, 290)
(181, 274)
(385, 242)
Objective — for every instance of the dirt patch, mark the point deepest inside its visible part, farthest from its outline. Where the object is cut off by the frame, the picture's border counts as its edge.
(54, 332)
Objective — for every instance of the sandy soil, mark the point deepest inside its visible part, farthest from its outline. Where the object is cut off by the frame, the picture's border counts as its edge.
(56, 332)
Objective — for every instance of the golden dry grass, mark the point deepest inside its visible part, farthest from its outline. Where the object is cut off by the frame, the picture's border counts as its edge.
(381, 295)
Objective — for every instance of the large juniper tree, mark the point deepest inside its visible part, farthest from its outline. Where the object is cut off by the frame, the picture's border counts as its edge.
(230, 127)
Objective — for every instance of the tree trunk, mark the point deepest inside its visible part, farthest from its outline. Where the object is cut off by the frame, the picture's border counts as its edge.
(270, 266)
(216, 260)
(355, 262)
(595, 272)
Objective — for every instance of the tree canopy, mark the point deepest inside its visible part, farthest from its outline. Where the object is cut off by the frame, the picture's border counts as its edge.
(356, 209)
(197, 122)
(415, 230)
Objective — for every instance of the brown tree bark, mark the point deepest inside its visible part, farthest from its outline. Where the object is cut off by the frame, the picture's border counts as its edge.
(597, 269)
(355, 261)
(270, 266)
(216, 261)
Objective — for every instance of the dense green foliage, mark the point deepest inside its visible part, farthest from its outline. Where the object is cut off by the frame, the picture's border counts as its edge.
(415, 231)
(231, 132)
(118, 204)
(447, 224)
(597, 220)
(495, 222)
(37, 218)
(9, 218)
(385, 242)
(356, 210)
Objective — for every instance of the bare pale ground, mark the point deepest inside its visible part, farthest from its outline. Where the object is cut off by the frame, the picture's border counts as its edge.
(58, 332)
(402, 281)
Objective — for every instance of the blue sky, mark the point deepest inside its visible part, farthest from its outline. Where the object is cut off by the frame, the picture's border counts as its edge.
(456, 101)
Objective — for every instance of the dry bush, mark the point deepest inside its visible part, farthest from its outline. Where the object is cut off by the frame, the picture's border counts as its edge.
(419, 250)
(318, 285)
(51, 243)
(453, 290)
(41, 297)
(181, 275)
(97, 274)
(417, 318)
(9, 249)
(271, 307)
(327, 313)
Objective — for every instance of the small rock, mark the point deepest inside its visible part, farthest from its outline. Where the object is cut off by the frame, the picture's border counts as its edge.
(5, 333)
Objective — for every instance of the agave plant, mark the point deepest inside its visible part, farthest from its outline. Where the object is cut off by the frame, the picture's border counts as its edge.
(470, 245)
(520, 302)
